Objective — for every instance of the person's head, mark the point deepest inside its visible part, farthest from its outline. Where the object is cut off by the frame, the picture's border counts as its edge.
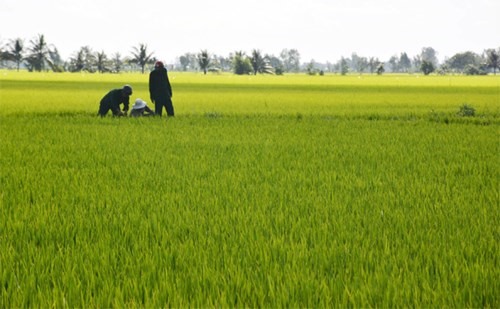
(139, 104)
(159, 65)
(127, 90)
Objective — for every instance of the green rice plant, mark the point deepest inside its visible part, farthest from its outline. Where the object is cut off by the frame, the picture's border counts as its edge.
(331, 195)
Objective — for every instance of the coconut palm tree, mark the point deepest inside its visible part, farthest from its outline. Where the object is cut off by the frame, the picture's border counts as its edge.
(55, 61)
(101, 62)
(141, 56)
(260, 64)
(84, 60)
(117, 63)
(257, 61)
(15, 52)
(39, 54)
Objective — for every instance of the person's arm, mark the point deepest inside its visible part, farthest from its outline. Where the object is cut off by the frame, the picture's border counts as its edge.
(168, 84)
(151, 87)
(126, 103)
(148, 111)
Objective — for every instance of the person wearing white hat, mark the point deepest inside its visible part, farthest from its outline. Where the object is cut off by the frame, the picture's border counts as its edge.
(140, 108)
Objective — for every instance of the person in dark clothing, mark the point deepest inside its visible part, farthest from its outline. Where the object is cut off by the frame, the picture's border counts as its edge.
(140, 108)
(113, 99)
(160, 90)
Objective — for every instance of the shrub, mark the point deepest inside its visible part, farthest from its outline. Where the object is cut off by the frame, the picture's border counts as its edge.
(466, 111)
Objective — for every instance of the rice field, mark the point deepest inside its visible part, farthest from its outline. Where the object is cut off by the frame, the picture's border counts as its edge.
(263, 191)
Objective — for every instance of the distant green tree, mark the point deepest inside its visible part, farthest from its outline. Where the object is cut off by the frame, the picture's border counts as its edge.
(427, 67)
(358, 64)
(277, 64)
(102, 62)
(55, 61)
(362, 64)
(141, 57)
(373, 64)
(380, 69)
(417, 62)
(241, 64)
(225, 63)
(492, 59)
(471, 69)
(3, 54)
(291, 60)
(90, 59)
(344, 67)
(77, 63)
(39, 53)
(459, 62)
(185, 61)
(404, 62)
(443, 69)
(116, 63)
(311, 68)
(204, 61)
(257, 61)
(394, 63)
(15, 52)
(189, 62)
(84, 60)
(260, 64)
(430, 55)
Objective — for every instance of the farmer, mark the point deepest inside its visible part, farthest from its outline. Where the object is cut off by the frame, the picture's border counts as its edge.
(160, 90)
(140, 108)
(113, 99)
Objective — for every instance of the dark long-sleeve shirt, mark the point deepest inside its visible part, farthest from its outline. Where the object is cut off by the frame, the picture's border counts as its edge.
(114, 98)
(159, 85)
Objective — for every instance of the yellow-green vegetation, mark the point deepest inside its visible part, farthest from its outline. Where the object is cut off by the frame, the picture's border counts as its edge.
(263, 191)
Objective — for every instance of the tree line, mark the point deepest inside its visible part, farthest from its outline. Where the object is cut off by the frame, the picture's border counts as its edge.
(38, 55)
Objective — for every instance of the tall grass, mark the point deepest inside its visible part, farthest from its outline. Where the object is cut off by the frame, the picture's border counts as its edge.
(231, 206)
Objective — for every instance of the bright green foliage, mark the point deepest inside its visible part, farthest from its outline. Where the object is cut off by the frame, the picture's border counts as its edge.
(262, 192)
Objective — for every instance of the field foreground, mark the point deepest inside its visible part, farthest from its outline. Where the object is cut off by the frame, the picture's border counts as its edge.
(262, 192)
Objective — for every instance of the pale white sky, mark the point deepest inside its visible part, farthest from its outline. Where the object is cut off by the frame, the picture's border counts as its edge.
(323, 30)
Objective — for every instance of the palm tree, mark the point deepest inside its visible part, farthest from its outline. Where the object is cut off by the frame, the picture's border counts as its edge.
(257, 61)
(101, 61)
(55, 61)
(204, 61)
(16, 52)
(117, 62)
(493, 60)
(141, 56)
(260, 64)
(84, 60)
(39, 53)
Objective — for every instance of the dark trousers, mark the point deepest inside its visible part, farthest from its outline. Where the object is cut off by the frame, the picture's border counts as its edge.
(167, 102)
(104, 109)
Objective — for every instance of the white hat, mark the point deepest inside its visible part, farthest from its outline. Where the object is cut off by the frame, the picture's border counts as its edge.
(139, 104)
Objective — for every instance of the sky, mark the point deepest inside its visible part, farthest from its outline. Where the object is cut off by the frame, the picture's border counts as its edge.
(321, 30)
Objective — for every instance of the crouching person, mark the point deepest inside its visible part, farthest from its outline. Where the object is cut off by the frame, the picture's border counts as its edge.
(113, 99)
(140, 108)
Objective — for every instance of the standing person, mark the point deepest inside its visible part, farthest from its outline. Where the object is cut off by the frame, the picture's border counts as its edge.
(140, 108)
(160, 90)
(113, 99)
